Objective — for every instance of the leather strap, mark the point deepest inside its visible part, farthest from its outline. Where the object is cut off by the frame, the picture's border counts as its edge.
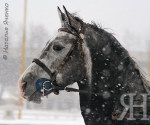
(65, 30)
(43, 66)
(65, 59)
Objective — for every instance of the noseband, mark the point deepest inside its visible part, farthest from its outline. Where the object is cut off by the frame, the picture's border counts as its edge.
(54, 87)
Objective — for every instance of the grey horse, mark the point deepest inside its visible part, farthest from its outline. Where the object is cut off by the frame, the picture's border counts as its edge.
(108, 69)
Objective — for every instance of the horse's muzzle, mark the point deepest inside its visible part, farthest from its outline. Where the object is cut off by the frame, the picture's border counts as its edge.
(22, 86)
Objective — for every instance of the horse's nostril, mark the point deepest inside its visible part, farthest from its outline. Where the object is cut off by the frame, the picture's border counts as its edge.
(24, 86)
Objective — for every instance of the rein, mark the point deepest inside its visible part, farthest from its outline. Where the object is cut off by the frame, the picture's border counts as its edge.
(54, 87)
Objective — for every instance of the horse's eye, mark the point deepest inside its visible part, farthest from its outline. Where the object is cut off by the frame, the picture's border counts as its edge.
(57, 47)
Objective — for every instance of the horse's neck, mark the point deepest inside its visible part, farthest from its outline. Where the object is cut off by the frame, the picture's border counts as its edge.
(93, 107)
(106, 55)
(111, 65)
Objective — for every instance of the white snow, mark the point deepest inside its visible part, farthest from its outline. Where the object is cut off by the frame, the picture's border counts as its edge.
(43, 117)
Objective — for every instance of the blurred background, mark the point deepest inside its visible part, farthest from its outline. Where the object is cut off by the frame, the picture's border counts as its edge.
(128, 20)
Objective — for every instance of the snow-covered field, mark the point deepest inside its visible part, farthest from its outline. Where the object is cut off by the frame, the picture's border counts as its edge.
(38, 117)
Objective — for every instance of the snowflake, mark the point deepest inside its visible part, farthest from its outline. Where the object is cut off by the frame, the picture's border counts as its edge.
(106, 94)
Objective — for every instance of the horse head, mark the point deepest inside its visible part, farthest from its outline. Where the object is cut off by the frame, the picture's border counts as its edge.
(61, 57)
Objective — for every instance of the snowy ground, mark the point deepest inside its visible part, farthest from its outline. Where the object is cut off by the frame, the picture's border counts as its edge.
(32, 117)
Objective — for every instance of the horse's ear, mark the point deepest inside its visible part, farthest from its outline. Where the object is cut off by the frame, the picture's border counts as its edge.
(62, 17)
(71, 20)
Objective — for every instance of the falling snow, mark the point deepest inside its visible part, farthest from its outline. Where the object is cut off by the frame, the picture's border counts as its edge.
(106, 94)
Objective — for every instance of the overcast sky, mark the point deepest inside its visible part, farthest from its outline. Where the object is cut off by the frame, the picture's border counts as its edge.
(122, 17)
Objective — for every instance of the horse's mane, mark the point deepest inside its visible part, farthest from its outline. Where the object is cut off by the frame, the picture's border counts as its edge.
(116, 45)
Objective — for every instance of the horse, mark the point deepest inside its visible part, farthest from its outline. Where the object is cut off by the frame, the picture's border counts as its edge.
(87, 54)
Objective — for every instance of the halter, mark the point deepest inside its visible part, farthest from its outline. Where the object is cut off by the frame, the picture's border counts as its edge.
(54, 87)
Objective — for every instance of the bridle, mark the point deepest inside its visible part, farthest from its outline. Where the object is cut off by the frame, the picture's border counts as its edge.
(54, 86)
